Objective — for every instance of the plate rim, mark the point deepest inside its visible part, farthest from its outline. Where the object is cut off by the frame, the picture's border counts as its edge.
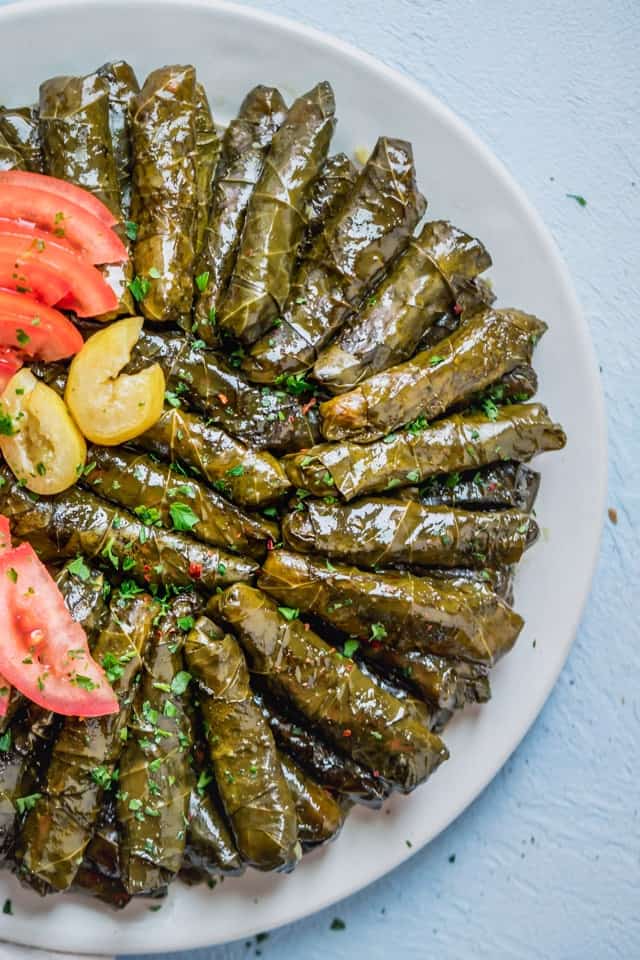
(26, 9)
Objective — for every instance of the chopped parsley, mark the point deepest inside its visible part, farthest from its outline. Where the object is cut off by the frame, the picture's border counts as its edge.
(183, 517)
(289, 613)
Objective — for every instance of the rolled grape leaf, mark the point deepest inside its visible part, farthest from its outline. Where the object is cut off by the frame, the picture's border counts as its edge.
(156, 778)
(61, 822)
(24, 745)
(498, 579)
(249, 477)
(386, 532)
(160, 496)
(21, 130)
(210, 851)
(488, 345)
(263, 418)
(335, 772)
(418, 290)
(242, 752)
(457, 443)
(453, 619)
(244, 147)
(510, 484)
(320, 817)
(331, 188)
(206, 160)
(443, 682)
(76, 522)
(275, 218)
(123, 87)
(165, 198)
(370, 228)
(331, 691)
(76, 144)
(99, 874)
(10, 159)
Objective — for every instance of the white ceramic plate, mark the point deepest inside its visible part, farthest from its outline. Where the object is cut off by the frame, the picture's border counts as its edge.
(234, 48)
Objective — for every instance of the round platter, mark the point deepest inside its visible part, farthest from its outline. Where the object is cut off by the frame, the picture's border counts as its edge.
(234, 48)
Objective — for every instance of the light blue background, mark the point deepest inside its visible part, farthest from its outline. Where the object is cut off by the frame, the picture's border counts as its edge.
(547, 860)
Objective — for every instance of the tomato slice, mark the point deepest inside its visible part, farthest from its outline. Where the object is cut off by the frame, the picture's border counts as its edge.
(87, 292)
(97, 242)
(5, 544)
(10, 363)
(31, 277)
(44, 653)
(61, 188)
(36, 330)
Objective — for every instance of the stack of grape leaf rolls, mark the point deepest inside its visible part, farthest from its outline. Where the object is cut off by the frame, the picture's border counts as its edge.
(301, 571)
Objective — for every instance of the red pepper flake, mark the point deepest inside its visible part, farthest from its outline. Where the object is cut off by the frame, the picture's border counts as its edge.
(195, 570)
(376, 773)
(457, 309)
(492, 487)
(291, 418)
(307, 406)
(375, 645)
(270, 544)
(346, 733)
(146, 572)
(307, 626)
(223, 398)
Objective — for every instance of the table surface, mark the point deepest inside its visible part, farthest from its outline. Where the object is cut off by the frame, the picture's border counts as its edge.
(546, 863)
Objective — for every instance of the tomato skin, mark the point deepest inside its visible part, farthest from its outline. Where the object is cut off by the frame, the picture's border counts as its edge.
(10, 363)
(44, 653)
(61, 188)
(31, 277)
(97, 242)
(35, 329)
(85, 289)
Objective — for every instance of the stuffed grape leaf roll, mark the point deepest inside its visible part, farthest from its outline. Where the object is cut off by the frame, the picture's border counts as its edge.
(459, 442)
(251, 478)
(331, 691)
(21, 130)
(159, 495)
(488, 345)
(156, 778)
(123, 87)
(320, 816)
(59, 827)
(165, 197)
(206, 159)
(509, 484)
(275, 219)
(419, 289)
(264, 418)
(244, 147)
(369, 229)
(330, 190)
(386, 532)
(76, 144)
(337, 773)
(247, 768)
(77, 522)
(451, 619)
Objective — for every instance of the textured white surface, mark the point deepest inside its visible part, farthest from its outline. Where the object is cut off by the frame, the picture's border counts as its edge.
(547, 861)
(554, 91)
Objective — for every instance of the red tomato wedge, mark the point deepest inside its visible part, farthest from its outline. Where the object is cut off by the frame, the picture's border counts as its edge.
(5, 544)
(60, 188)
(31, 277)
(43, 652)
(93, 238)
(87, 292)
(36, 330)
(10, 363)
